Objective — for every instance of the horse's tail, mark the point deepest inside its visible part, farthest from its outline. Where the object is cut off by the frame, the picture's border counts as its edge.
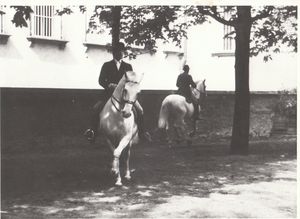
(163, 120)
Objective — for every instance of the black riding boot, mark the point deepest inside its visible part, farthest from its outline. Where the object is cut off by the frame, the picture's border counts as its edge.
(145, 136)
(91, 132)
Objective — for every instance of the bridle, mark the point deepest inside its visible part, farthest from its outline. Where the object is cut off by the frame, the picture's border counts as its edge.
(202, 94)
(122, 101)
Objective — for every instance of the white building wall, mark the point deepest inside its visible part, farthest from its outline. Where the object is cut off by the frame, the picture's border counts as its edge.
(47, 66)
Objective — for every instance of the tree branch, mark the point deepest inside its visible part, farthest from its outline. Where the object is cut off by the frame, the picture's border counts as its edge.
(263, 14)
(215, 15)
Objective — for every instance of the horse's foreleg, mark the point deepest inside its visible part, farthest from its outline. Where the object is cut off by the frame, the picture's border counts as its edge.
(117, 153)
(115, 163)
(123, 143)
(127, 175)
(111, 146)
(119, 180)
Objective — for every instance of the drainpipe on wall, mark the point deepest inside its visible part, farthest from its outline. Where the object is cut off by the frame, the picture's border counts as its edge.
(85, 25)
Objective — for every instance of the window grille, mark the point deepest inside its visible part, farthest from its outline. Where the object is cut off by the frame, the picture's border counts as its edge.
(2, 19)
(228, 40)
(45, 23)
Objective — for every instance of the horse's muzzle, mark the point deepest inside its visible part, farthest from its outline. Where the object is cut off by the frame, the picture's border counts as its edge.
(126, 114)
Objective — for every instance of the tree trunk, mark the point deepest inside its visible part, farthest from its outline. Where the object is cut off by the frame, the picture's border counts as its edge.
(241, 118)
(116, 26)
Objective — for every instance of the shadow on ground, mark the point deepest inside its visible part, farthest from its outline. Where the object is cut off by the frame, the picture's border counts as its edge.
(72, 179)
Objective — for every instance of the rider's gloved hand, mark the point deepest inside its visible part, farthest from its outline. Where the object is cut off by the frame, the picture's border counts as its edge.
(112, 86)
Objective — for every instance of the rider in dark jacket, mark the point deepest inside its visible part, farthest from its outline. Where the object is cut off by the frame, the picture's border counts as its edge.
(184, 82)
(110, 75)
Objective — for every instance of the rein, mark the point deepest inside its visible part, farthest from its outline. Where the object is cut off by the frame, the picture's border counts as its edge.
(119, 102)
(111, 99)
(202, 95)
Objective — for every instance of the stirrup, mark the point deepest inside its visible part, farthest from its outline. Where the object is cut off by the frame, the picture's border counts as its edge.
(146, 136)
(89, 134)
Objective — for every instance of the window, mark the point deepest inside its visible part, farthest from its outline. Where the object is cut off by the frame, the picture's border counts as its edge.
(46, 26)
(3, 25)
(45, 23)
(2, 19)
(96, 35)
(228, 40)
(228, 47)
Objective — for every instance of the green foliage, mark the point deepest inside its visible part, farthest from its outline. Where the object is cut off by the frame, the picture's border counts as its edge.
(64, 10)
(275, 32)
(143, 25)
(287, 103)
(2, 12)
(22, 14)
(82, 8)
(273, 28)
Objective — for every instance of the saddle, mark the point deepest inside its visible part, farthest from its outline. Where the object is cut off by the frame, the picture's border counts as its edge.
(187, 97)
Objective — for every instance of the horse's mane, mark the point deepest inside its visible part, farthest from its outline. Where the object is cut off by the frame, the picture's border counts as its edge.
(134, 76)
(198, 81)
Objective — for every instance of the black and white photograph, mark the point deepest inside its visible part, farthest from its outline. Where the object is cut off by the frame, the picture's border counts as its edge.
(143, 110)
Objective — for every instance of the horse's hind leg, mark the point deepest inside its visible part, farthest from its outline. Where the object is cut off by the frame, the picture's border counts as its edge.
(194, 123)
(162, 134)
(178, 134)
(181, 128)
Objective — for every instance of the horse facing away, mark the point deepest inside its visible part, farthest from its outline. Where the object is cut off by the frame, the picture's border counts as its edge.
(117, 123)
(175, 110)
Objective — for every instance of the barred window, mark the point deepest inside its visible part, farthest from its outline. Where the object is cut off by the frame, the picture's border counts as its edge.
(46, 23)
(43, 21)
(228, 40)
(2, 19)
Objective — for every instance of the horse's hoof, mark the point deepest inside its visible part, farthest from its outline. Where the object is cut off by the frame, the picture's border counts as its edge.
(127, 177)
(114, 172)
(118, 184)
(192, 134)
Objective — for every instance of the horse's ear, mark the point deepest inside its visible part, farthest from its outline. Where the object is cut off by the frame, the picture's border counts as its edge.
(142, 76)
(204, 81)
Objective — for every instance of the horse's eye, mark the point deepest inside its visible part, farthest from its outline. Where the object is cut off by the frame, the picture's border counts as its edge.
(124, 92)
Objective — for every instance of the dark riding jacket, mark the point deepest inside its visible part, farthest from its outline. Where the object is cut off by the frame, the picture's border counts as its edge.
(110, 74)
(184, 81)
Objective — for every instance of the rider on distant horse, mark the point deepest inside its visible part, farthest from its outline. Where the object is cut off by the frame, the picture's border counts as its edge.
(184, 81)
(110, 75)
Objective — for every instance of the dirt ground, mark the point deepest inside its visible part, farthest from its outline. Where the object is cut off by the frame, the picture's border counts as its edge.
(72, 180)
